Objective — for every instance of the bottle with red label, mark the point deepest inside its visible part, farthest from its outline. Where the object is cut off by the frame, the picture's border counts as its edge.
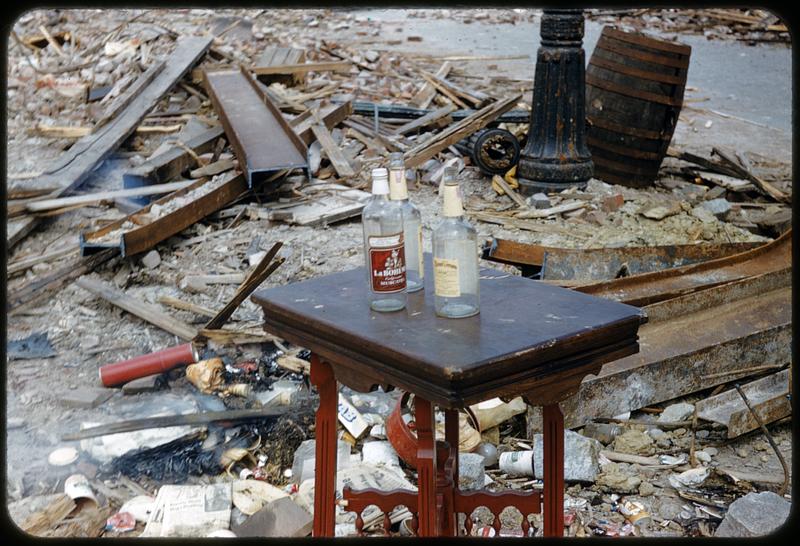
(384, 248)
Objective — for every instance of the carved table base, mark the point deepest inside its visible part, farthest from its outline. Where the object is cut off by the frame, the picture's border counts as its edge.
(438, 501)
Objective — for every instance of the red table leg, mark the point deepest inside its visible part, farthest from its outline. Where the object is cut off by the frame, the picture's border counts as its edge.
(451, 437)
(426, 468)
(325, 473)
(553, 421)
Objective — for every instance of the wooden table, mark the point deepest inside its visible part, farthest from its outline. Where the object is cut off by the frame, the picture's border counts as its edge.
(530, 339)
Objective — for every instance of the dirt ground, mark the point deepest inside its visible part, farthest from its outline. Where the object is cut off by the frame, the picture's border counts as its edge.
(87, 332)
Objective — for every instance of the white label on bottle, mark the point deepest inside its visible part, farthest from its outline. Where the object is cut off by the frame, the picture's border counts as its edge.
(419, 249)
(397, 185)
(445, 278)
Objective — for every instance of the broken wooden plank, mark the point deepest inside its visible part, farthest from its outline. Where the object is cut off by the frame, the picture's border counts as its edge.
(38, 288)
(281, 56)
(330, 114)
(165, 421)
(739, 163)
(323, 211)
(259, 274)
(444, 90)
(769, 397)
(213, 168)
(337, 158)
(426, 93)
(122, 101)
(166, 166)
(421, 153)
(425, 120)
(509, 191)
(74, 166)
(147, 234)
(302, 68)
(140, 309)
(100, 197)
(21, 265)
(187, 306)
(552, 211)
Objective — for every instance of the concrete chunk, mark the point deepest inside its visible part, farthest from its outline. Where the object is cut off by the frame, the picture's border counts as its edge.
(279, 518)
(86, 397)
(581, 457)
(471, 472)
(755, 514)
(676, 412)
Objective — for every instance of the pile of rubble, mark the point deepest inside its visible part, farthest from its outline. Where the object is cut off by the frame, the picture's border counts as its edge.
(225, 444)
(750, 26)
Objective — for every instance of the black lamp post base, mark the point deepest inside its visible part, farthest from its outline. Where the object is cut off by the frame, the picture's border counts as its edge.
(552, 177)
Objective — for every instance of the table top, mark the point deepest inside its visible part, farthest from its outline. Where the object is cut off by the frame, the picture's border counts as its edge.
(526, 331)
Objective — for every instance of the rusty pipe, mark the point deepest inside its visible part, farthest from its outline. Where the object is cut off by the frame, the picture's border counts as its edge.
(113, 375)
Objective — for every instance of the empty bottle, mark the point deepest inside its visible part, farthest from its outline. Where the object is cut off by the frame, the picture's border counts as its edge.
(412, 223)
(455, 257)
(382, 221)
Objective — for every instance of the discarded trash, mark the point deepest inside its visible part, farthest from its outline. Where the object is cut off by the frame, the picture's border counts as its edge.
(140, 507)
(206, 375)
(121, 522)
(379, 453)
(112, 375)
(78, 489)
(63, 456)
(34, 346)
(689, 478)
(250, 496)
(351, 418)
(517, 463)
(488, 452)
(190, 510)
(634, 512)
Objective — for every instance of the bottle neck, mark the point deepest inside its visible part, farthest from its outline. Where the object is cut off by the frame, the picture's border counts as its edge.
(452, 203)
(398, 190)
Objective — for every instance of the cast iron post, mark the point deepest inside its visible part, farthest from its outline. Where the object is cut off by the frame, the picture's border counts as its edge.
(556, 157)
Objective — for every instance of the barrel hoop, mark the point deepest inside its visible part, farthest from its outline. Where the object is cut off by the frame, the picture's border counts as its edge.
(608, 45)
(622, 150)
(596, 81)
(647, 41)
(622, 167)
(625, 130)
(631, 71)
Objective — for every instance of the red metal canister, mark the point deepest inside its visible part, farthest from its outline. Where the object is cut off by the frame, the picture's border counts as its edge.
(119, 373)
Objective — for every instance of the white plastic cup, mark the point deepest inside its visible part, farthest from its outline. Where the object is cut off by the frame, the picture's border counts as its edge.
(78, 489)
(517, 463)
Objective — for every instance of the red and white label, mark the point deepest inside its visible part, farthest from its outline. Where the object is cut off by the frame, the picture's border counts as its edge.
(388, 263)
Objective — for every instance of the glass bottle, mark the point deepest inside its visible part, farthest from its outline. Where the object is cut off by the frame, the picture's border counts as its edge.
(382, 221)
(455, 256)
(412, 223)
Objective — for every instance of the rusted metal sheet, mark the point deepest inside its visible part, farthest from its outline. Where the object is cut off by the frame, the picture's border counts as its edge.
(604, 263)
(147, 235)
(649, 288)
(769, 397)
(693, 343)
(264, 142)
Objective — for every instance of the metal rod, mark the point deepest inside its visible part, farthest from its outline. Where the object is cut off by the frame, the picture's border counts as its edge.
(769, 439)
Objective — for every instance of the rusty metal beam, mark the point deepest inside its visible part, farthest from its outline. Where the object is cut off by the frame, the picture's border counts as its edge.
(722, 329)
(649, 288)
(263, 141)
(769, 397)
(148, 234)
(604, 263)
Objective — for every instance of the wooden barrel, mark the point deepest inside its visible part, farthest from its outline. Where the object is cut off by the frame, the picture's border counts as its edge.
(634, 94)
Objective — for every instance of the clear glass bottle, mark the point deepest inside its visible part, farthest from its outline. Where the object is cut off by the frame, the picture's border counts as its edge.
(455, 257)
(412, 223)
(384, 249)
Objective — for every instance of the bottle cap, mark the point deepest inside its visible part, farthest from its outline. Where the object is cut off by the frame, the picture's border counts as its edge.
(380, 181)
(396, 160)
(450, 174)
